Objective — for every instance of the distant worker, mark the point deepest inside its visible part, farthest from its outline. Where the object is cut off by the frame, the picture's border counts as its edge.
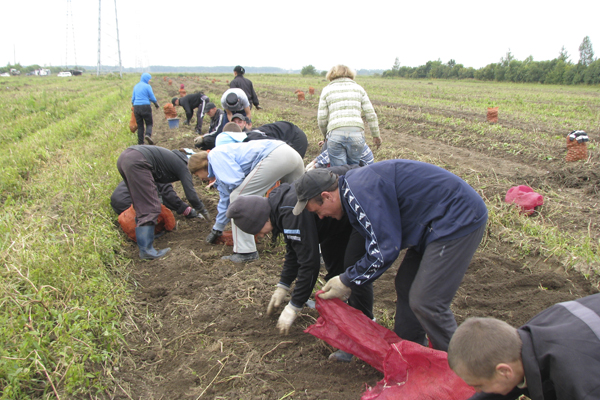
(182, 91)
(554, 356)
(197, 100)
(341, 106)
(217, 121)
(235, 101)
(142, 167)
(241, 82)
(141, 99)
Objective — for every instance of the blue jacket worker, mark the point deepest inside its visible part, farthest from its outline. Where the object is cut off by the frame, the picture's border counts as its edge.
(554, 356)
(141, 99)
(396, 205)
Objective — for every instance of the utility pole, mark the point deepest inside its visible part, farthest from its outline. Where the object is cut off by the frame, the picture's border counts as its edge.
(99, 35)
(118, 42)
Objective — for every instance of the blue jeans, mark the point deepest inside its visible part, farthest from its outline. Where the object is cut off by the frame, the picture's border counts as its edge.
(345, 145)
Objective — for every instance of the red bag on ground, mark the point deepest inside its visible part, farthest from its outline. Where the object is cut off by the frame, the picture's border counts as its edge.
(492, 115)
(411, 371)
(524, 197)
(165, 221)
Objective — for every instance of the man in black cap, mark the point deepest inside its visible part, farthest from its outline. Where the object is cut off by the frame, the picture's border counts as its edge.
(235, 101)
(340, 245)
(241, 82)
(217, 122)
(197, 100)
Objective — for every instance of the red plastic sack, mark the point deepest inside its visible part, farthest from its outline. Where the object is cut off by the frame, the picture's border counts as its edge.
(132, 122)
(524, 197)
(492, 115)
(165, 221)
(411, 371)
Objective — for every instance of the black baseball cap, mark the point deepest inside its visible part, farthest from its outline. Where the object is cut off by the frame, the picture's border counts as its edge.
(312, 184)
(209, 107)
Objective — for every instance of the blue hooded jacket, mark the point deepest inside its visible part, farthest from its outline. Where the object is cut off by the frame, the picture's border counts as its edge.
(142, 92)
(397, 204)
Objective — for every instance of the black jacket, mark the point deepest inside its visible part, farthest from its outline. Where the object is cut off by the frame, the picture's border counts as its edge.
(192, 101)
(302, 235)
(121, 199)
(171, 166)
(288, 133)
(246, 85)
(561, 353)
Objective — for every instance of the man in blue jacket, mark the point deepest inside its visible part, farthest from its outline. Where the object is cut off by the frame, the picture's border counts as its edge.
(141, 99)
(404, 204)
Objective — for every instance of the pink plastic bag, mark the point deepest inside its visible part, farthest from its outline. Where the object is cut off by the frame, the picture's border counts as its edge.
(411, 371)
(524, 197)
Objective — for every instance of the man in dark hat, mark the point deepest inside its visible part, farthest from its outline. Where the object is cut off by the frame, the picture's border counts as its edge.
(340, 246)
(235, 101)
(403, 204)
(218, 119)
(197, 100)
(241, 82)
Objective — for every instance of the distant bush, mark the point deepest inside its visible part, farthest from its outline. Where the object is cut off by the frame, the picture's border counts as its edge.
(308, 70)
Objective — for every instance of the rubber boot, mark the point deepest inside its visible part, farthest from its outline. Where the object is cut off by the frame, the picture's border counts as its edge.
(145, 237)
(149, 134)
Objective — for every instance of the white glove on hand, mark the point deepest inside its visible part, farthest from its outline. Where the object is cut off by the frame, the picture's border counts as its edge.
(277, 298)
(335, 289)
(310, 166)
(198, 140)
(287, 318)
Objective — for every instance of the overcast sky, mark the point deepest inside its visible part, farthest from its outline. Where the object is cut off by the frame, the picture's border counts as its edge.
(268, 33)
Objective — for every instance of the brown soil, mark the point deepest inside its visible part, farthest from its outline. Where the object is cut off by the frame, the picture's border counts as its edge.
(197, 324)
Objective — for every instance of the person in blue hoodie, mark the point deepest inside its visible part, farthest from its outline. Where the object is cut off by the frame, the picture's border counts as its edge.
(396, 205)
(141, 99)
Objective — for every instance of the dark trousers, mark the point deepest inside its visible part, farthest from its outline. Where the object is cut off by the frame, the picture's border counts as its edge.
(143, 114)
(137, 174)
(361, 297)
(425, 286)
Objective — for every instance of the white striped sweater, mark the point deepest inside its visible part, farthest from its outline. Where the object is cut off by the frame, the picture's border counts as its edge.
(342, 103)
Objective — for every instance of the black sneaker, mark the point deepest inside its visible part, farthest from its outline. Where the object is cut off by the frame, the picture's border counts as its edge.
(149, 140)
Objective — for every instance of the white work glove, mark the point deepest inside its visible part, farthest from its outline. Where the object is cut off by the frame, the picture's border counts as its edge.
(310, 165)
(335, 289)
(278, 297)
(287, 318)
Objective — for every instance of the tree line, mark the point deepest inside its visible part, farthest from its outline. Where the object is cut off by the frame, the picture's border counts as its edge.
(557, 71)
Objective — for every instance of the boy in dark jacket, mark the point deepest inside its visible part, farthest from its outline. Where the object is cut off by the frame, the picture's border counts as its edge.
(404, 204)
(197, 100)
(303, 234)
(554, 356)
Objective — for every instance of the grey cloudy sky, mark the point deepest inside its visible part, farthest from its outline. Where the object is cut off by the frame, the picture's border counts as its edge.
(363, 35)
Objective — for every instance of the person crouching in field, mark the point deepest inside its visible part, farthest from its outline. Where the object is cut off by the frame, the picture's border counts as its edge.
(141, 99)
(189, 103)
(554, 356)
(241, 169)
(142, 167)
